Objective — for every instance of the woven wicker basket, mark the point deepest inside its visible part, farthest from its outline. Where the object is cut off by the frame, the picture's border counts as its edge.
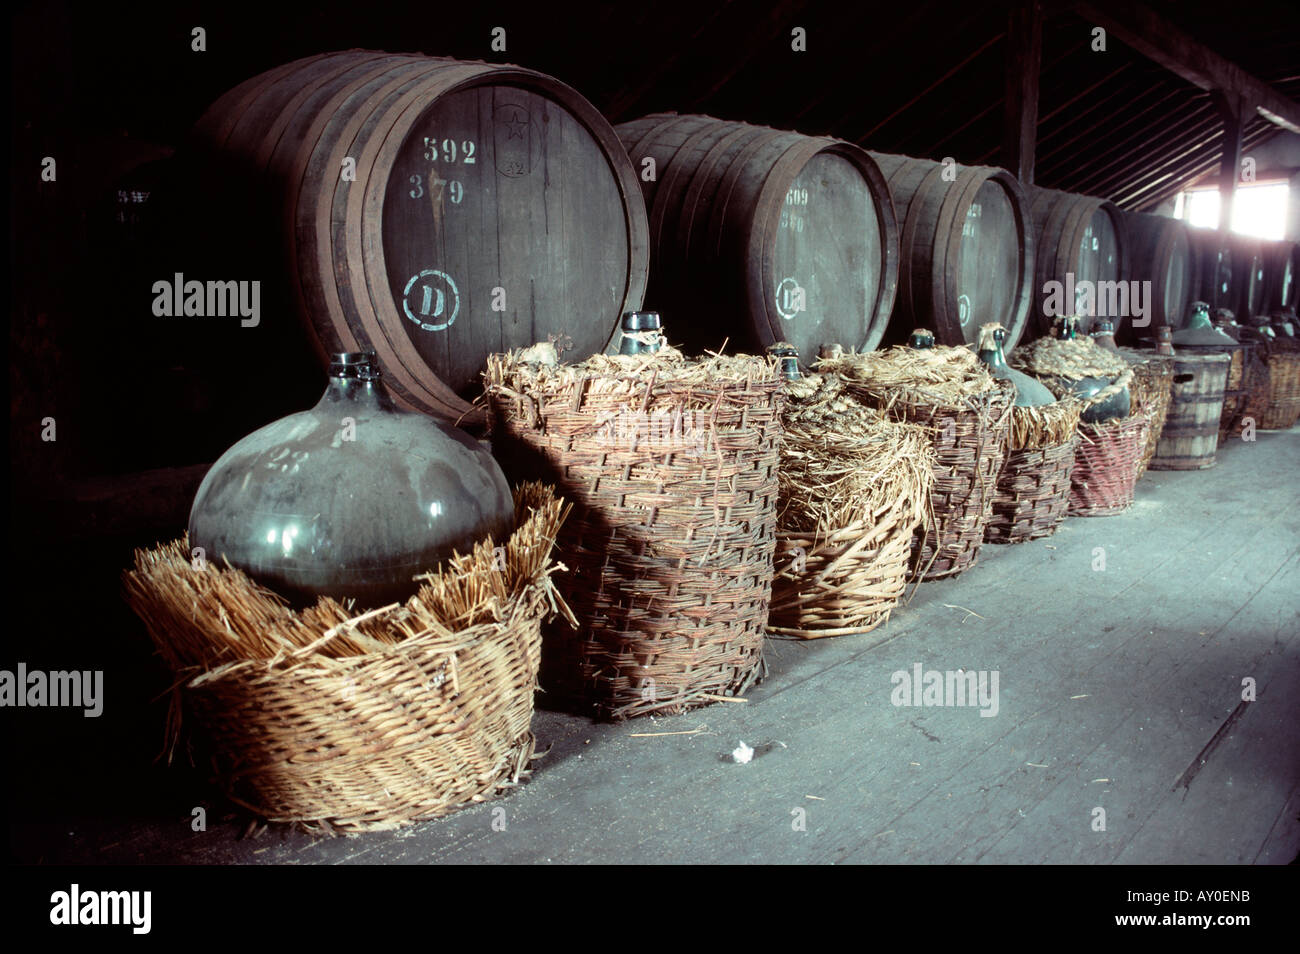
(1249, 397)
(673, 535)
(1033, 490)
(967, 413)
(1106, 466)
(1283, 360)
(1153, 379)
(854, 488)
(369, 722)
(970, 445)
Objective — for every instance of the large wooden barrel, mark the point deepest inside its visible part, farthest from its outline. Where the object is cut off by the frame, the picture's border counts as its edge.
(1161, 253)
(1282, 265)
(436, 211)
(966, 249)
(1082, 250)
(1248, 266)
(760, 235)
(1214, 254)
(1191, 434)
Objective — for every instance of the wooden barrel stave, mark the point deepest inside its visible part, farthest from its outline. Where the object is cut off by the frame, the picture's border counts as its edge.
(1079, 238)
(1249, 277)
(1214, 254)
(1283, 266)
(1161, 253)
(950, 244)
(1191, 433)
(719, 213)
(568, 266)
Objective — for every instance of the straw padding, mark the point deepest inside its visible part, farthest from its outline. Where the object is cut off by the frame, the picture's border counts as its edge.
(854, 490)
(672, 467)
(345, 722)
(1058, 363)
(1106, 466)
(1070, 358)
(1283, 359)
(1045, 426)
(968, 416)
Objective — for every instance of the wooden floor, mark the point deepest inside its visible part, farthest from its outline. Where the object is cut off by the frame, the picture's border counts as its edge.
(1113, 684)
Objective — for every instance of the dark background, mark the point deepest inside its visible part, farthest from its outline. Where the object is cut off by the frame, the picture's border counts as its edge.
(142, 405)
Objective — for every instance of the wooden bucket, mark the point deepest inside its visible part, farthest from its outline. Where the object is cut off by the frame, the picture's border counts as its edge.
(1191, 433)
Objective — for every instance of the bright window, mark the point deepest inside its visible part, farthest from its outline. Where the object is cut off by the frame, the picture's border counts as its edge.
(1259, 209)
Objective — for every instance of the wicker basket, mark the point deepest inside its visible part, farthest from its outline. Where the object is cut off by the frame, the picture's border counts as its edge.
(854, 488)
(342, 723)
(1153, 379)
(1247, 399)
(673, 535)
(1033, 490)
(1106, 466)
(1283, 360)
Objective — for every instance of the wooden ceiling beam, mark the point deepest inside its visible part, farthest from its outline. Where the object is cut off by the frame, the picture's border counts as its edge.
(1150, 34)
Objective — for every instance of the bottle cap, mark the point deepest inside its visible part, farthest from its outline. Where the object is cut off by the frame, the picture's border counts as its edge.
(789, 358)
(354, 364)
(642, 333)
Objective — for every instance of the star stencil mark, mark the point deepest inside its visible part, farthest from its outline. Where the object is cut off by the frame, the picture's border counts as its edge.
(516, 126)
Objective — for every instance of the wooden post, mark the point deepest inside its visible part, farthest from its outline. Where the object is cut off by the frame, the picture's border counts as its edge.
(1234, 110)
(1020, 116)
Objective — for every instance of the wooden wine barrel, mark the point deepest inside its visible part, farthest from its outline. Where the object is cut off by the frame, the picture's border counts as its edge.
(1282, 264)
(1161, 253)
(436, 211)
(1081, 244)
(1249, 277)
(1191, 434)
(966, 249)
(1214, 254)
(760, 235)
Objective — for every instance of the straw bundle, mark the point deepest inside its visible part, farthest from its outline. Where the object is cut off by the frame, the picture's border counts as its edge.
(854, 487)
(1069, 358)
(1046, 425)
(967, 414)
(344, 722)
(1058, 363)
(671, 465)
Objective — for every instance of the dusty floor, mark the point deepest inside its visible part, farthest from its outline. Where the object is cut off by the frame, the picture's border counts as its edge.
(1112, 685)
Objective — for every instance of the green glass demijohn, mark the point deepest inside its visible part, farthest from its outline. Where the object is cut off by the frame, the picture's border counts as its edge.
(1030, 392)
(351, 499)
